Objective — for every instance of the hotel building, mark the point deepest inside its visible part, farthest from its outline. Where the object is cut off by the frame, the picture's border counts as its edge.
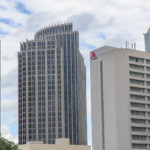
(120, 99)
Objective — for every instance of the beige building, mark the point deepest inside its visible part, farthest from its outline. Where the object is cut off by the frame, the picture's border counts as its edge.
(61, 144)
(120, 99)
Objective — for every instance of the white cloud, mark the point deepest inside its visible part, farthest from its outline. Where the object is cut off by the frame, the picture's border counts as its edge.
(9, 119)
(6, 133)
(9, 106)
(116, 20)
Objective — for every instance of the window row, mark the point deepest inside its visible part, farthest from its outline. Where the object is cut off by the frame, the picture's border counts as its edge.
(140, 113)
(139, 60)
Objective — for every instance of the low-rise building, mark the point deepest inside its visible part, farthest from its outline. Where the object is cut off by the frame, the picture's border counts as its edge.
(61, 144)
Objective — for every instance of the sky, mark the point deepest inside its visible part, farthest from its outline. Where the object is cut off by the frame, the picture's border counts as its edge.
(99, 22)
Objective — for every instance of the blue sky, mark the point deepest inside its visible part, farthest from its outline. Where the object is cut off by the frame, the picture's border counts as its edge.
(99, 22)
(3, 32)
(20, 7)
(9, 22)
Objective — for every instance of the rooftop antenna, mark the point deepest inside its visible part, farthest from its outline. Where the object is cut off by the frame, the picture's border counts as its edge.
(126, 44)
(134, 46)
(131, 45)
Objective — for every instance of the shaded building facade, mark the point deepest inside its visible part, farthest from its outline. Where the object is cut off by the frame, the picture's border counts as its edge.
(147, 40)
(52, 87)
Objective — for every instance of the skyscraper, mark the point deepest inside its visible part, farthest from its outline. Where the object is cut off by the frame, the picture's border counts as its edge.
(120, 99)
(52, 87)
(147, 40)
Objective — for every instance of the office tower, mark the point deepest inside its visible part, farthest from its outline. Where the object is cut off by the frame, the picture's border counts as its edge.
(147, 40)
(52, 87)
(120, 99)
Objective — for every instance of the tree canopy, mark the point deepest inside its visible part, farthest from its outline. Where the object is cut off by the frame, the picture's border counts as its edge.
(7, 145)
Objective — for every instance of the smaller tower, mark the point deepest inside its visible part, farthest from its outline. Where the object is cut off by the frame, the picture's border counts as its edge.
(147, 40)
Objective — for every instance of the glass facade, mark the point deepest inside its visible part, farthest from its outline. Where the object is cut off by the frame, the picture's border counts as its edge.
(48, 84)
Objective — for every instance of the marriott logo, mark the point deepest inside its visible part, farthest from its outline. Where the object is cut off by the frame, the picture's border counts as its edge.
(93, 56)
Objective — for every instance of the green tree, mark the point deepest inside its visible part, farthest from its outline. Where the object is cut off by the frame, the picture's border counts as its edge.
(7, 145)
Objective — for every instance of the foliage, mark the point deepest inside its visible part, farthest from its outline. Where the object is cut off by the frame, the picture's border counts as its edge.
(7, 145)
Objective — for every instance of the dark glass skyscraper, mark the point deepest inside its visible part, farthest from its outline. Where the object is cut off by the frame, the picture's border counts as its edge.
(52, 87)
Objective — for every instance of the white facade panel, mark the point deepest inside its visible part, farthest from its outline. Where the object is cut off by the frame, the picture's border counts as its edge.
(119, 95)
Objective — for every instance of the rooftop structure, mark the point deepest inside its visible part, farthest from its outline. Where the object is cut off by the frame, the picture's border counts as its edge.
(61, 144)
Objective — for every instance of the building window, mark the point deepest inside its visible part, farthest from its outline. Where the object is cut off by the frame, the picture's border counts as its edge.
(148, 61)
(137, 97)
(136, 67)
(139, 82)
(138, 113)
(135, 59)
(148, 76)
(138, 121)
(138, 129)
(139, 146)
(139, 137)
(136, 74)
(135, 89)
(138, 105)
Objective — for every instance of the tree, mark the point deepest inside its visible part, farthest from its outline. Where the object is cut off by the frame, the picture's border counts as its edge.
(7, 145)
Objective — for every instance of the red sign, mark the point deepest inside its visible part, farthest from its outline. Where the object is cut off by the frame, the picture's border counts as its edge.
(93, 56)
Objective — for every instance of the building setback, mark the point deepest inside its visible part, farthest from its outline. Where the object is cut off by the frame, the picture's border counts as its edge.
(120, 99)
(52, 87)
(61, 144)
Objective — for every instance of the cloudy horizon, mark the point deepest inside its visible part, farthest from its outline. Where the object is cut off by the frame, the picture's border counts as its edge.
(99, 22)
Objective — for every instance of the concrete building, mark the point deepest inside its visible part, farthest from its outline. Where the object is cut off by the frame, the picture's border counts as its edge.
(120, 99)
(52, 87)
(147, 40)
(61, 144)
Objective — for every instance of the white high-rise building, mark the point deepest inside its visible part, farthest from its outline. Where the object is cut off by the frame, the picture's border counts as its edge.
(120, 99)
